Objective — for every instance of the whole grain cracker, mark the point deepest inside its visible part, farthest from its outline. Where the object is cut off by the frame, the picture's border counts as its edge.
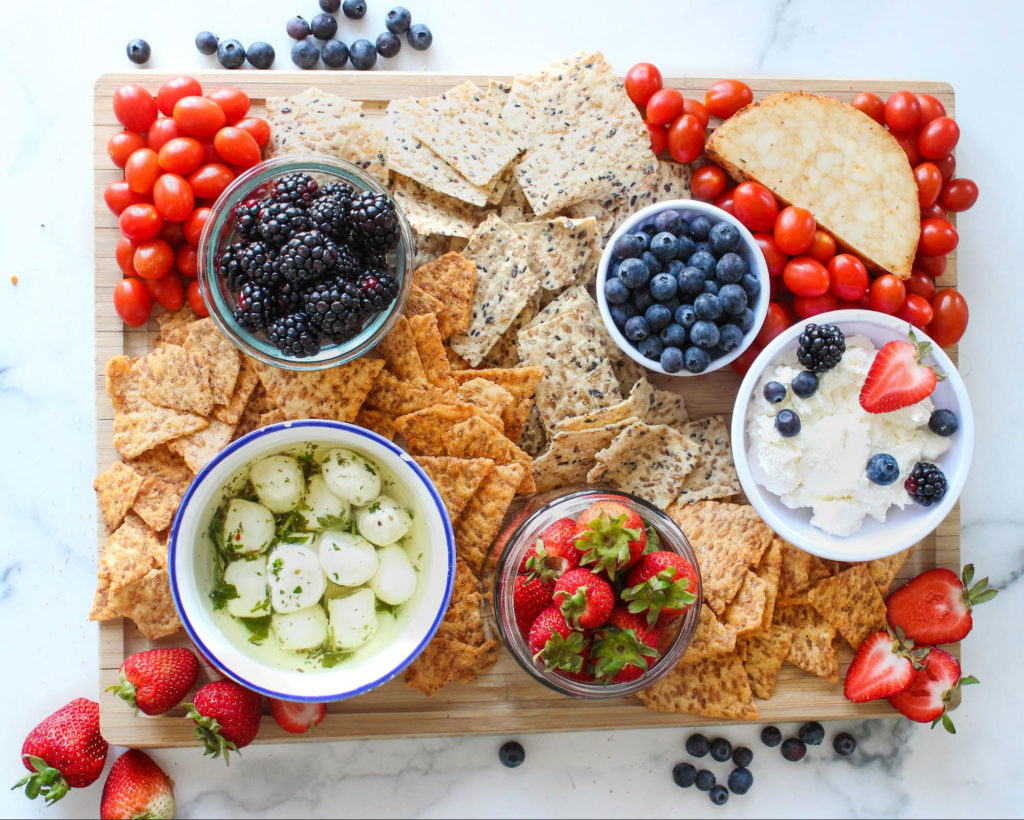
(488, 396)
(115, 492)
(222, 359)
(712, 638)
(504, 353)
(445, 661)
(423, 429)
(481, 519)
(764, 653)
(456, 479)
(401, 356)
(800, 571)
(163, 464)
(813, 648)
(148, 602)
(851, 602)
(714, 687)
(172, 320)
(335, 394)
(571, 455)
(769, 571)
(274, 416)
(884, 570)
(462, 621)
(141, 430)
(745, 612)
(521, 382)
(421, 303)
(128, 554)
(533, 439)
(475, 438)
(258, 404)
(561, 251)
(645, 402)
(158, 501)
(248, 378)
(715, 474)
(430, 212)
(396, 398)
(200, 447)
(451, 279)
(177, 377)
(427, 334)
(429, 247)
(380, 422)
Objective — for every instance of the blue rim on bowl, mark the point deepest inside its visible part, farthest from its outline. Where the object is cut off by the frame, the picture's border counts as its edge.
(751, 254)
(218, 298)
(178, 554)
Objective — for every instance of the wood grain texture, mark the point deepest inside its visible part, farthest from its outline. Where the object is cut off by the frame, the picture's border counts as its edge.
(505, 699)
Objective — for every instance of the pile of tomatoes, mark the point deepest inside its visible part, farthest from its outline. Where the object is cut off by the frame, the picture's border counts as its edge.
(179, 151)
(809, 275)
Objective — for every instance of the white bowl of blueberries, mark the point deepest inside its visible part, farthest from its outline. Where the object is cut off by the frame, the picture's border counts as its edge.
(682, 287)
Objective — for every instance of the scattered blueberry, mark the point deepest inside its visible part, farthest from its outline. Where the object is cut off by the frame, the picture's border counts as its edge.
(787, 423)
(663, 286)
(684, 774)
(658, 317)
(747, 320)
(642, 299)
(335, 54)
(805, 384)
(685, 247)
(719, 795)
(724, 237)
(943, 422)
(626, 246)
(651, 348)
(330, 5)
(398, 20)
(323, 26)
(206, 42)
(511, 754)
(419, 37)
(354, 9)
(812, 733)
(740, 780)
(696, 360)
(707, 306)
(733, 299)
(644, 239)
(883, 469)
(634, 273)
(653, 262)
(691, 281)
(297, 28)
(672, 359)
(729, 337)
(674, 336)
(637, 329)
(615, 291)
(721, 749)
(230, 54)
(730, 268)
(711, 286)
(771, 736)
(700, 227)
(703, 260)
(620, 313)
(363, 54)
(697, 745)
(774, 392)
(664, 246)
(685, 316)
(668, 221)
(751, 285)
(742, 756)
(305, 54)
(844, 744)
(260, 55)
(705, 334)
(138, 51)
(705, 780)
(793, 749)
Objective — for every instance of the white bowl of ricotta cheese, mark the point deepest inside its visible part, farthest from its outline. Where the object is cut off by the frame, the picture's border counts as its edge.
(812, 488)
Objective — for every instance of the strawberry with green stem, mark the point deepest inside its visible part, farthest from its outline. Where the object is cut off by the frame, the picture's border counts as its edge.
(137, 787)
(611, 537)
(227, 717)
(585, 599)
(555, 645)
(553, 553)
(625, 647)
(155, 681)
(935, 607)
(662, 584)
(530, 596)
(927, 698)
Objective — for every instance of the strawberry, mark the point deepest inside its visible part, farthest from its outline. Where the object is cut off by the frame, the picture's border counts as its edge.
(610, 536)
(156, 681)
(297, 718)
(935, 607)
(529, 597)
(898, 378)
(554, 552)
(586, 601)
(136, 787)
(884, 665)
(227, 717)
(554, 645)
(625, 647)
(927, 698)
(662, 584)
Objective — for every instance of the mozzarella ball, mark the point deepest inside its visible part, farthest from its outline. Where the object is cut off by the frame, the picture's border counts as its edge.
(320, 504)
(383, 522)
(295, 578)
(279, 483)
(351, 476)
(248, 526)
(394, 582)
(298, 631)
(353, 619)
(249, 578)
(348, 560)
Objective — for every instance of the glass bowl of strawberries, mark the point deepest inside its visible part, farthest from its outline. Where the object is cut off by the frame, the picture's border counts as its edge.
(596, 593)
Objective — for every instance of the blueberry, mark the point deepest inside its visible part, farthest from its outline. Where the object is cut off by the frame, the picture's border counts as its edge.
(805, 384)
(672, 304)
(697, 745)
(733, 299)
(684, 774)
(651, 348)
(634, 273)
(206, 42)
(731, 267)
(642, 299)
(419, 37)
(230, 54)
(705, 780)
(812, 733)
(354, 9)
(644, 239)
(363, 54)
(883, 469)
(620, 313)
(774, 392)
(675, 268)
(626, 246)
(398, 20)
(685, 316)
(323, 26)
(721, 749)
(719, 795)
(684, 230)
(696, 360)
(724, 237)
(649, 229)
(668, 220)
(740, 780)
(658, 317)
(703, 260)
(711, 286)
(615, 291)
(705, 334)
(703, 245)
(637, 329)
(771, 736)
(730, 337)
(138, 51)
(742, 756)
(943, 422)
(664, 246)
(787, 423)
(691, 281)
(707, 306)
(297, 28)
(793, 749)
(752, 285)
(746, 320)
(672, 359)
(663, 286)
(674, 335)
(685, 247)
(305, 54)
(700, 227)
(653, 262)
(511, 754)
(260, 55)
(330, 5)
(335, 54)
(844, 744)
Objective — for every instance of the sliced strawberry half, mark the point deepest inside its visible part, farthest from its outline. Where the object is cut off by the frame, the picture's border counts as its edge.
(884, 665)
(935, 607)
(297, 718)
(898, 377)
(927, 698)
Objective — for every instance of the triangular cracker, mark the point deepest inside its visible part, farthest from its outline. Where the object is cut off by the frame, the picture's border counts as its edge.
(475, 438)
(481, 519)
(714, 687)
(336, 393)
(851, 602)
(456, 479)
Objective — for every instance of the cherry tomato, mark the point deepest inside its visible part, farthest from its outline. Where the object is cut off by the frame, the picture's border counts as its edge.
(173, 233)
(725, 201)
(134, 107)
(775, 321)
(773, 257)
(934, 266)
(194, 225)
(951, 316)
(697, 109)
(168, 291)
(708, 182)
(938, 237)
(642, 80)
(140, 222)
(181, 155)
(870, 104)
(931, 108)
(685, 138)
(153, 259)
(119, 195)
(902, 111)
(124, 253)
(209, 180)
(122, 145)
(938, 138)
(132, 301)
(917, 310)
(198, 116)
(210, 154)
(726, 97)
(756, 206)
(934, 210)
(174, 89)
(778, 292)
(173, 197)
(187, 261)
(823, 246)
(659, 138)
(142, 170)
(807, 306)
(665, 106)
(848, 278)
(929, 183)
(959, 194)
(794, 230)
(237, 147)
(257, 127)
(805, 276)
(921, 284)
(946, 166)
(160, 132)
(233, 101)
(908, 142)
(887, 294)
(741, 364)
(195, 299)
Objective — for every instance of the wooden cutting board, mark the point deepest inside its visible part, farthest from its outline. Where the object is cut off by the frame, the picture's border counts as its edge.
(504, 700)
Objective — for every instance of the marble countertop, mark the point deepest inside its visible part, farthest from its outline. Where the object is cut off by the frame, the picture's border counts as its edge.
(48, 62)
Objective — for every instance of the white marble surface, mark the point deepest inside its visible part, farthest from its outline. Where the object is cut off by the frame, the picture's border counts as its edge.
(49, 59)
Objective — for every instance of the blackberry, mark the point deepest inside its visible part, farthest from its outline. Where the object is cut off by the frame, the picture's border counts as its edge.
(330, 215)
(328, 312)
(279, 220)
(926, 483)
(377, 290)
(256, 308)
(257, 262)
(294, 335)
(307, 256)
(821, 347)
(374, 223)
(297, 188)
(290, 297)
(247, 218)
(229, 266)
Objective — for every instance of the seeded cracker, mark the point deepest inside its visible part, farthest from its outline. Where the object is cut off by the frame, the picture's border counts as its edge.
(763, 657)
(475, 438)
(800, 570)
(247, 380)
(813, 648)
(851, 602)
(456, 479)
(505, 351)
(561, 251)
(397, 398)
(533, 439)
(423, 429)
(400, 354)
(884, 570)
(645, 403)
(521, 382)
(451, 279)
(163, 464)
(115, 491)
(463, 621)
(336, 394)
(769, 571)
(429, 212)
(488, 396)
(258, 404)
(172, 320)
(745, 612)
(200, 447)
(445, 661)
(148, 602)
(129, 553)
(141, 430)
(158, 501)
(715, 687)
(481, 519)
(571, 455)
(177, 377)
(715, 474)
(712, 638)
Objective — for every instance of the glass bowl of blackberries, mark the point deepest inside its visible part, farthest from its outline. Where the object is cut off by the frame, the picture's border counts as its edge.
(305, 261)
(682, 287)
